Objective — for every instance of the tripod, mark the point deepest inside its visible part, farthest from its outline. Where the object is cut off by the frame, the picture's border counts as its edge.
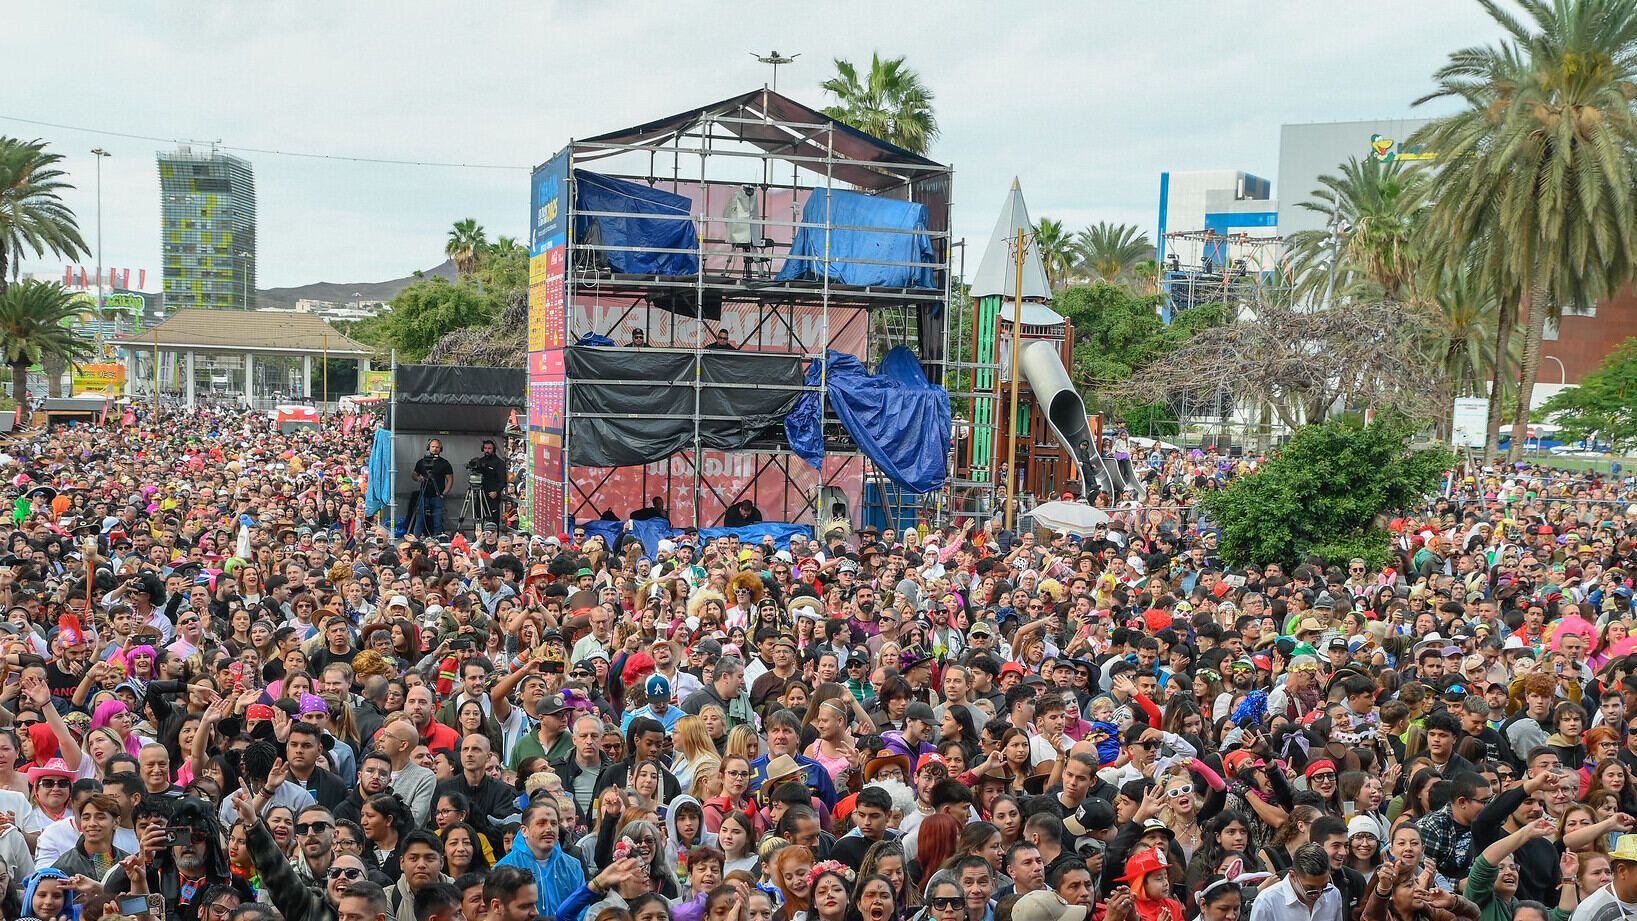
(476, 504)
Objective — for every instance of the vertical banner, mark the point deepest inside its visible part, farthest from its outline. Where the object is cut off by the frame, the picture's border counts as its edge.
(547, 505)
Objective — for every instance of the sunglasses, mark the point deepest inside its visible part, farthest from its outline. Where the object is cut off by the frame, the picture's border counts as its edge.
(344, 873)
(1323, 777)
(1183, 790)
(946, 903)
(313, 828)
(54, 783)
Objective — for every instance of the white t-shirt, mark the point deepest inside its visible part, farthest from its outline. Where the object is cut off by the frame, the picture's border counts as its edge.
(1604, 905)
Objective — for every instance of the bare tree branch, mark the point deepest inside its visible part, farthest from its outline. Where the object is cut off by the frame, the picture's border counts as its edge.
(1303, 362)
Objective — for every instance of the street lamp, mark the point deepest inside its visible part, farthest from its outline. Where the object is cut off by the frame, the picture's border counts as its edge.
(246, 273)
(774, 58)
(100, 154)
(1563, 373)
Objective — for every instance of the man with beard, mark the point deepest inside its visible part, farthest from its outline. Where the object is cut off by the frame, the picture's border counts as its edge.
(1534, 859)
(290, 895)
(374, 776)
(509, 894)
(315, 839)
(182, 871)
(1300, 692)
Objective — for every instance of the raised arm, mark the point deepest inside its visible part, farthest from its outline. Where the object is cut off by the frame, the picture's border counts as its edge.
(38, 695)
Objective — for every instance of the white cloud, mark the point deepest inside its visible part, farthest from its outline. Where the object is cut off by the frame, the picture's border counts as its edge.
(1086, 102)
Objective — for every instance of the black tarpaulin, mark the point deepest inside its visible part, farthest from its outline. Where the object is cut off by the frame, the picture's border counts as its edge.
(636, 406)
(457, 398)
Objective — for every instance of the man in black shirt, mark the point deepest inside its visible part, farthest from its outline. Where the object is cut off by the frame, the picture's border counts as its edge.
(1514, 808)
(433, 477)
(493, 470)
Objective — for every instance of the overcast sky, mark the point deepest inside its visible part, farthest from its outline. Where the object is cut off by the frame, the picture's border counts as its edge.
(1086, 102)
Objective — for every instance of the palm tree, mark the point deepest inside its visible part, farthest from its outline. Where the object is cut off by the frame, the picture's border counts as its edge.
(1114, 252)
(1056, 251)
(32, 318)
(1375, 211)
(32, 213)
(1458, 334)
(1537, 175)
(466, 245)
(891, 103)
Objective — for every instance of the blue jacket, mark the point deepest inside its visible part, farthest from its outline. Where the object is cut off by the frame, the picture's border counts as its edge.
(555, 878)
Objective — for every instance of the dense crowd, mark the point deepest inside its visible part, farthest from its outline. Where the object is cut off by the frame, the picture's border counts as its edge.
(227, 695)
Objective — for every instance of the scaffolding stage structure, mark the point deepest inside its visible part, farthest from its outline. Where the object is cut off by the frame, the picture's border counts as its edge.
(723, 194)
(1205, 267)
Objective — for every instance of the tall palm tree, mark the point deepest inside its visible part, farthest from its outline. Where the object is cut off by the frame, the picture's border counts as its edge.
(890, 102)
(504, 245)
(1458, 333)
(1113, 252)
(1374, 211)
(466, 245)
(32, 318)
(32, 213)
(1537, 173)
(1056, 251)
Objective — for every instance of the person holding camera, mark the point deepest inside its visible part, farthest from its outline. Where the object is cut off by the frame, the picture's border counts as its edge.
(493, 470)
(436, 477)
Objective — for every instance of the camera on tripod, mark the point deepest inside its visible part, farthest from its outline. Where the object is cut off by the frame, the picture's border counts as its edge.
(474, 473)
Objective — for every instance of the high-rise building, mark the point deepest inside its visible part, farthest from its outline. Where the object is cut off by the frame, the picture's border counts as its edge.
(208, 212)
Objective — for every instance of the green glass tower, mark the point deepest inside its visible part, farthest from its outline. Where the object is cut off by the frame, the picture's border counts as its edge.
(208, 213)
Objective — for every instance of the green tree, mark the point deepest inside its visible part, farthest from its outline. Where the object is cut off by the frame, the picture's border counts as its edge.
(33, 318)
(1536, 175)
(1604, 406)
(1377, 210)
(890, 102)
(466, 245)
(1323, 493)
(1056, 251)
(32, 214)
(1459, 336)
(427, 310)
(1115, 253)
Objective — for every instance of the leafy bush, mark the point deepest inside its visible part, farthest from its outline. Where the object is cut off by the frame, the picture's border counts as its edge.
(1324, 492)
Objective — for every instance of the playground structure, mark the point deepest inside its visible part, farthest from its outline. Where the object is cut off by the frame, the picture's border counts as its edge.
(1059, 447)
(696, 285)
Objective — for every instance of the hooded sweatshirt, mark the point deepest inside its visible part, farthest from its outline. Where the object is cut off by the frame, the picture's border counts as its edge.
(69, 905)
(555, 878)
(678, 848)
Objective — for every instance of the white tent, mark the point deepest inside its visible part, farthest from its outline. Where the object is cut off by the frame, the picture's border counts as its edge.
(1074, 517)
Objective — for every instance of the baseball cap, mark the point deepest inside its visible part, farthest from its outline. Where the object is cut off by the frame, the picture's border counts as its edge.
(919, 711)
(658, 687)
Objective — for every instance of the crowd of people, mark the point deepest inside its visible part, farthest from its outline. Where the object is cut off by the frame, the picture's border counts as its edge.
(228, 695)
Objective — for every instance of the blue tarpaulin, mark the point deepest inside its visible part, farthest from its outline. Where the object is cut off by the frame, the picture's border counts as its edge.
(899, 419)
(379, 495)
(753, 533)
(595, 192)
(652, 530)
(848, 210)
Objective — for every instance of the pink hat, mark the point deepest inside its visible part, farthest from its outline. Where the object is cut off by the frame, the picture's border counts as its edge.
(56, 767)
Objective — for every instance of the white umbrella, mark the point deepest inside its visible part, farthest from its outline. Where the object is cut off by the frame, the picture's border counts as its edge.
(1074, 517)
